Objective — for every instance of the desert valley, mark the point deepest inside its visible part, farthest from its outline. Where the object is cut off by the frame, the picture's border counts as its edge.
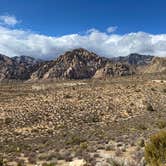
(82, 109)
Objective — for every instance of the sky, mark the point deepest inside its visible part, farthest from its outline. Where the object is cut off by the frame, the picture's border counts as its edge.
(47, 28)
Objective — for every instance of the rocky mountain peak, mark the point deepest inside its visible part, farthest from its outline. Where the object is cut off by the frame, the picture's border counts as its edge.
(75, 64)
(78, 54)
(4, 58)
(78, 64)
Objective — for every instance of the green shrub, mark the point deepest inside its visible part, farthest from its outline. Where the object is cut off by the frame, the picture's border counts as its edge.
(141, 127)
(141, 142)
(75, 140)
(84, 145)
(155, 150)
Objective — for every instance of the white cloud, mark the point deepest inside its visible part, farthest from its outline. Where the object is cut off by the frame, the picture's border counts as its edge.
(112, 29)
(8, 20)
(16, 42)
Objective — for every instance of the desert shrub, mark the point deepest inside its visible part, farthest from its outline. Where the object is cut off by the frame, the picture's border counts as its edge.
(155, 150)
(67, 96)
(48, 164)
(115, 162)
(1, 161)
(141, 127)
(91, 118)
(161, 124)
(32, 159)
(75, 140)
(21, 163)
(141, 142)
(8, 120)
(138, 90)
(150, 107)
(83, 145)
(153, 89)
(164, 90)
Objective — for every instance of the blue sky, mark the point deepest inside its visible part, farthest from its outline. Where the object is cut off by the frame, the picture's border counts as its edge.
(59, 25)
(59, 17)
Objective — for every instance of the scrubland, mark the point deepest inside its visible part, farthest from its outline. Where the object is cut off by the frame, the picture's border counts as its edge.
(89, 122)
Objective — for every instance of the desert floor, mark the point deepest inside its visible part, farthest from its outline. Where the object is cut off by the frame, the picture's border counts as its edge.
(96, 122)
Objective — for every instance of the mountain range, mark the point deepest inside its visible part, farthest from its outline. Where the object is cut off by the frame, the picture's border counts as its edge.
(78, 64)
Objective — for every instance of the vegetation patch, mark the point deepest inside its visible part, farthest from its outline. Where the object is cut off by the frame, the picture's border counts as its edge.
(155, 150)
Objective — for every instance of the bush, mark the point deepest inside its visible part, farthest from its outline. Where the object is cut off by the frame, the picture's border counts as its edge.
(84, 145)
(1, 162)
(164, 90)
(161, 124)
(75, 140)
(155, 150)
(141, 127)
(150, 107)
(8, 120)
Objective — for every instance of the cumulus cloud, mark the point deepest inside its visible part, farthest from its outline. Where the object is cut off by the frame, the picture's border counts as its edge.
(8, 20)
(112, 29)
(15, 42)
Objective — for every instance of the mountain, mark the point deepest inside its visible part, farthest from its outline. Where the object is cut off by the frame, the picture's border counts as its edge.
(75, 64)
(78, 64)
(81, 64)
(134, 59)
(114, 69)
(26, 60)
(157, 65)
(19, 68)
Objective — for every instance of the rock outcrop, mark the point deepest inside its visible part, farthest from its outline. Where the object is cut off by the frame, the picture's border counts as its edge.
(114, 70)
(17, 68)
(157, 65)
(76, 64)
(134, 59)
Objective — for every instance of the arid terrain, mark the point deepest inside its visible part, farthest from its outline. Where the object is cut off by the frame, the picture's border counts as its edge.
(102, 122)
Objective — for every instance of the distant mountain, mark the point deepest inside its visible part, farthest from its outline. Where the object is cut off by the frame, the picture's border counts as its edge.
(17, 67)
(78, 64)
(75, 64)
(157, 65)
(81, 64)
(26, 60)
(134, 59)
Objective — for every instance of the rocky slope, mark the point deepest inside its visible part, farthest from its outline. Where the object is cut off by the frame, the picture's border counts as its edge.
(134, 59)
(157, 65)
(82, 64)
(17, 67)
(76, 64)
(114, 69)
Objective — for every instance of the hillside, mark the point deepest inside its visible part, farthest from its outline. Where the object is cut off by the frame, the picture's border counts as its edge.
(18, 68)
(157, 65)
(77, 64)
(134, 59)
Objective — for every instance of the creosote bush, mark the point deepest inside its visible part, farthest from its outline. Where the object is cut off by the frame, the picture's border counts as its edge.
(155, 150)
(150, 108)
(161, 124)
